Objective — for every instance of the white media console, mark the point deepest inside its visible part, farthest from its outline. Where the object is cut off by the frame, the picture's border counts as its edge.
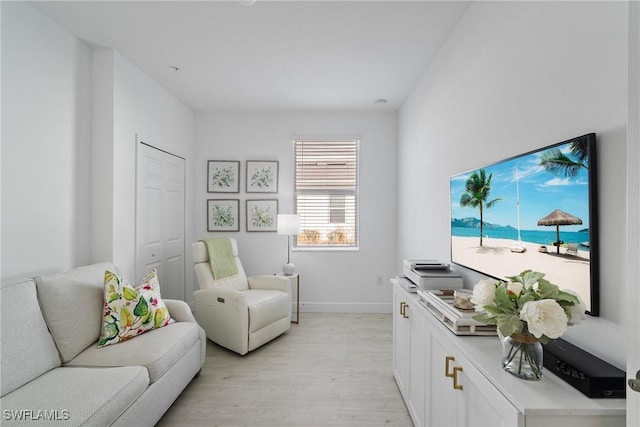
(451, 380)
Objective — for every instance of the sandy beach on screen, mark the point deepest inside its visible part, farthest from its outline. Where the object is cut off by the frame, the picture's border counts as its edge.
(565, 271)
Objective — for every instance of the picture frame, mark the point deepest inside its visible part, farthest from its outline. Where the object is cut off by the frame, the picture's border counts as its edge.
(262, 215)
(223, 176)
(223, 215)
(262, 176)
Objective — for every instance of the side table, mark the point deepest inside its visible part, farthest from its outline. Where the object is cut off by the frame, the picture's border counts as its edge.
(295, 281)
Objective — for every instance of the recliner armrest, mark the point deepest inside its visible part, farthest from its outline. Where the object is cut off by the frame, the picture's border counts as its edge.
(265, 282)
(221, 297)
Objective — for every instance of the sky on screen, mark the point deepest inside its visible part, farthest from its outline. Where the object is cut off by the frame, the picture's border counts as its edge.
(540, 191)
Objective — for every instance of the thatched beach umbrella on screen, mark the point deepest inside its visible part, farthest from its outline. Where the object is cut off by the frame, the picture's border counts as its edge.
(559, 218)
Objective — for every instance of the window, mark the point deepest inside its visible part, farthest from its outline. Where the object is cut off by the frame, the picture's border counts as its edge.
(326, 193)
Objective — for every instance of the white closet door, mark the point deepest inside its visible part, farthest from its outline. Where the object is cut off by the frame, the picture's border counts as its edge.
(160, 221)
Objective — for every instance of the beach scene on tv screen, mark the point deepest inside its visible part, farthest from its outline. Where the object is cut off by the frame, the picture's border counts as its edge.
(529, 212)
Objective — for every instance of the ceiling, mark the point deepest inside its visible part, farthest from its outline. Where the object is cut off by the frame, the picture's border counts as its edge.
(272, 55)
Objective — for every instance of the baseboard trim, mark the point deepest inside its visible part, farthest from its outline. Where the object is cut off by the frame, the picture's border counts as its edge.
(340, 307)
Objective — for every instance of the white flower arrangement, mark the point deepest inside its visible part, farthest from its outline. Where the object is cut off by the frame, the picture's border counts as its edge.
(527, 303)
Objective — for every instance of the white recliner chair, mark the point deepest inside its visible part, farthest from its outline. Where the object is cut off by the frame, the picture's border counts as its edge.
(237, 312)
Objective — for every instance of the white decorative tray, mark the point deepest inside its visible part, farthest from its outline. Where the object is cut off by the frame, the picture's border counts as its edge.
(460, 322)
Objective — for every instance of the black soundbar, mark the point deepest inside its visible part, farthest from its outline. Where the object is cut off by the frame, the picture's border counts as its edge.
(591, 375)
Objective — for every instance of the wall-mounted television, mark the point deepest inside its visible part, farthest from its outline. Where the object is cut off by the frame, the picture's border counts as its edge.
(536, 211)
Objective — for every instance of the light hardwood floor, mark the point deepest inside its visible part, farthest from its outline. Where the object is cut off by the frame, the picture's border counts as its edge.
(329, 370)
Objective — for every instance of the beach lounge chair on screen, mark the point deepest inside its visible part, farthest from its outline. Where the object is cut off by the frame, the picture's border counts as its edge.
(572, 249)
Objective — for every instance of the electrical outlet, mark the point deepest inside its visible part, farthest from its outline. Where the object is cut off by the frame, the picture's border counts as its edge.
(379, 281)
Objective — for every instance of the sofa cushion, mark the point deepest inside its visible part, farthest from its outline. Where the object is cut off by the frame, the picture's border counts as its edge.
(157, 350)
(27, 349)
(72, 305)
(130, 311)
(266, 307)
(75, 396)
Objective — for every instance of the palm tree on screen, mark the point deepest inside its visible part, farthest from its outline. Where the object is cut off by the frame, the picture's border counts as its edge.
(478, 187)
(559, 163)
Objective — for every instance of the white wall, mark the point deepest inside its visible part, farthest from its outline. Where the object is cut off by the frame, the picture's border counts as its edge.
(46, 133)
(71, 118)
(514, 77)
(330, 281)
(131, 107)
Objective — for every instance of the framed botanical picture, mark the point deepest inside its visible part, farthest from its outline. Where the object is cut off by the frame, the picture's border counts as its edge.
(262, 176)
(261, 215)
(223, 215)
(223, 176)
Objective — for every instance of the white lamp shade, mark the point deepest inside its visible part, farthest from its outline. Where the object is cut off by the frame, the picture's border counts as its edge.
(288, 224)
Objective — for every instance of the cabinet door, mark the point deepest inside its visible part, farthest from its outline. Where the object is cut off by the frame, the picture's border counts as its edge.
(481, 404)
(400, 342)
(441, 396)
(417, 362)
(458, 394)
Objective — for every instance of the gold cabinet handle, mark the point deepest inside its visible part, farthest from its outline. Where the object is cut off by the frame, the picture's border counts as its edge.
(455, 378)
(448, 360)
(403, 310)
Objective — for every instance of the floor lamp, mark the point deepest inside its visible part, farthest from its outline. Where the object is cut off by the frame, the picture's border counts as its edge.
(288, 225)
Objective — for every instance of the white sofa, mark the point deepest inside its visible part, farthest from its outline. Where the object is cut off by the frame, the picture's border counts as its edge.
(240, 313)
(53, 372)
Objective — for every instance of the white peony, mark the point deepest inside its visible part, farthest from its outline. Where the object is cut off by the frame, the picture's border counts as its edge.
(544, 317)
(576, 312)
(514, 288)
(484, 292)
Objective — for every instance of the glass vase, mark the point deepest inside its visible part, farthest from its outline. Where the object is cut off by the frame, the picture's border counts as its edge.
(522, 355)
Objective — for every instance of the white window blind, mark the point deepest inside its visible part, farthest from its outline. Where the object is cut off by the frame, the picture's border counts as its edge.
(326, 193)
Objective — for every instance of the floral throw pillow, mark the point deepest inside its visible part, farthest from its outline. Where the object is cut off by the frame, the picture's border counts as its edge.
(130, 311)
